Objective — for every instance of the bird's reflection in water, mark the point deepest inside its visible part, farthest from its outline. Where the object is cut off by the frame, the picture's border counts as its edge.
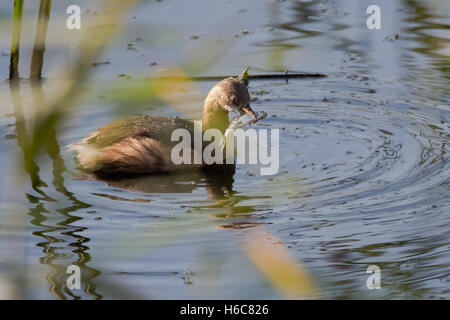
(216, 181)
(218, 184)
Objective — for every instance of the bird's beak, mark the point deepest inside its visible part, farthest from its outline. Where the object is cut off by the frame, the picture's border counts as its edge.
(248, 110)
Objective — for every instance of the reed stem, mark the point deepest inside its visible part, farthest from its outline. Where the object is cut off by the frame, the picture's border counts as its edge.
(15, 40)
(37, 59)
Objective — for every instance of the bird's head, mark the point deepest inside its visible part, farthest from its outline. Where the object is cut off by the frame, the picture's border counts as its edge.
(230, 95)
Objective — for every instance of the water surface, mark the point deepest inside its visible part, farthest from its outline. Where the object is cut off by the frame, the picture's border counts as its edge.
(364, 159)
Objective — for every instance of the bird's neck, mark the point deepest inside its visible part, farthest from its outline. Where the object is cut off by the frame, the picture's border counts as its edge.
(216, 118)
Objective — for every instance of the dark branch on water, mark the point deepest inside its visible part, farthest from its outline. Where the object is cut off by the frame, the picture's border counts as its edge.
(286, 75)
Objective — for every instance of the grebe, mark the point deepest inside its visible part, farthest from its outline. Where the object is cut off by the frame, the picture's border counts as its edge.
(142, 144)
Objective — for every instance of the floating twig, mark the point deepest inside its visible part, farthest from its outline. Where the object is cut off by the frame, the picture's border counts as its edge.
(284, 75)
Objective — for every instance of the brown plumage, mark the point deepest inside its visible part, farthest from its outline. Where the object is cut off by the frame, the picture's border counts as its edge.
(142, 144)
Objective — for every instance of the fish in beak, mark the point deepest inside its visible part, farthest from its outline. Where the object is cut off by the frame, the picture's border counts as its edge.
(246, 109)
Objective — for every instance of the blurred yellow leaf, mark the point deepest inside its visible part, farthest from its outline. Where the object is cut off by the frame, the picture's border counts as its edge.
(282, 270)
